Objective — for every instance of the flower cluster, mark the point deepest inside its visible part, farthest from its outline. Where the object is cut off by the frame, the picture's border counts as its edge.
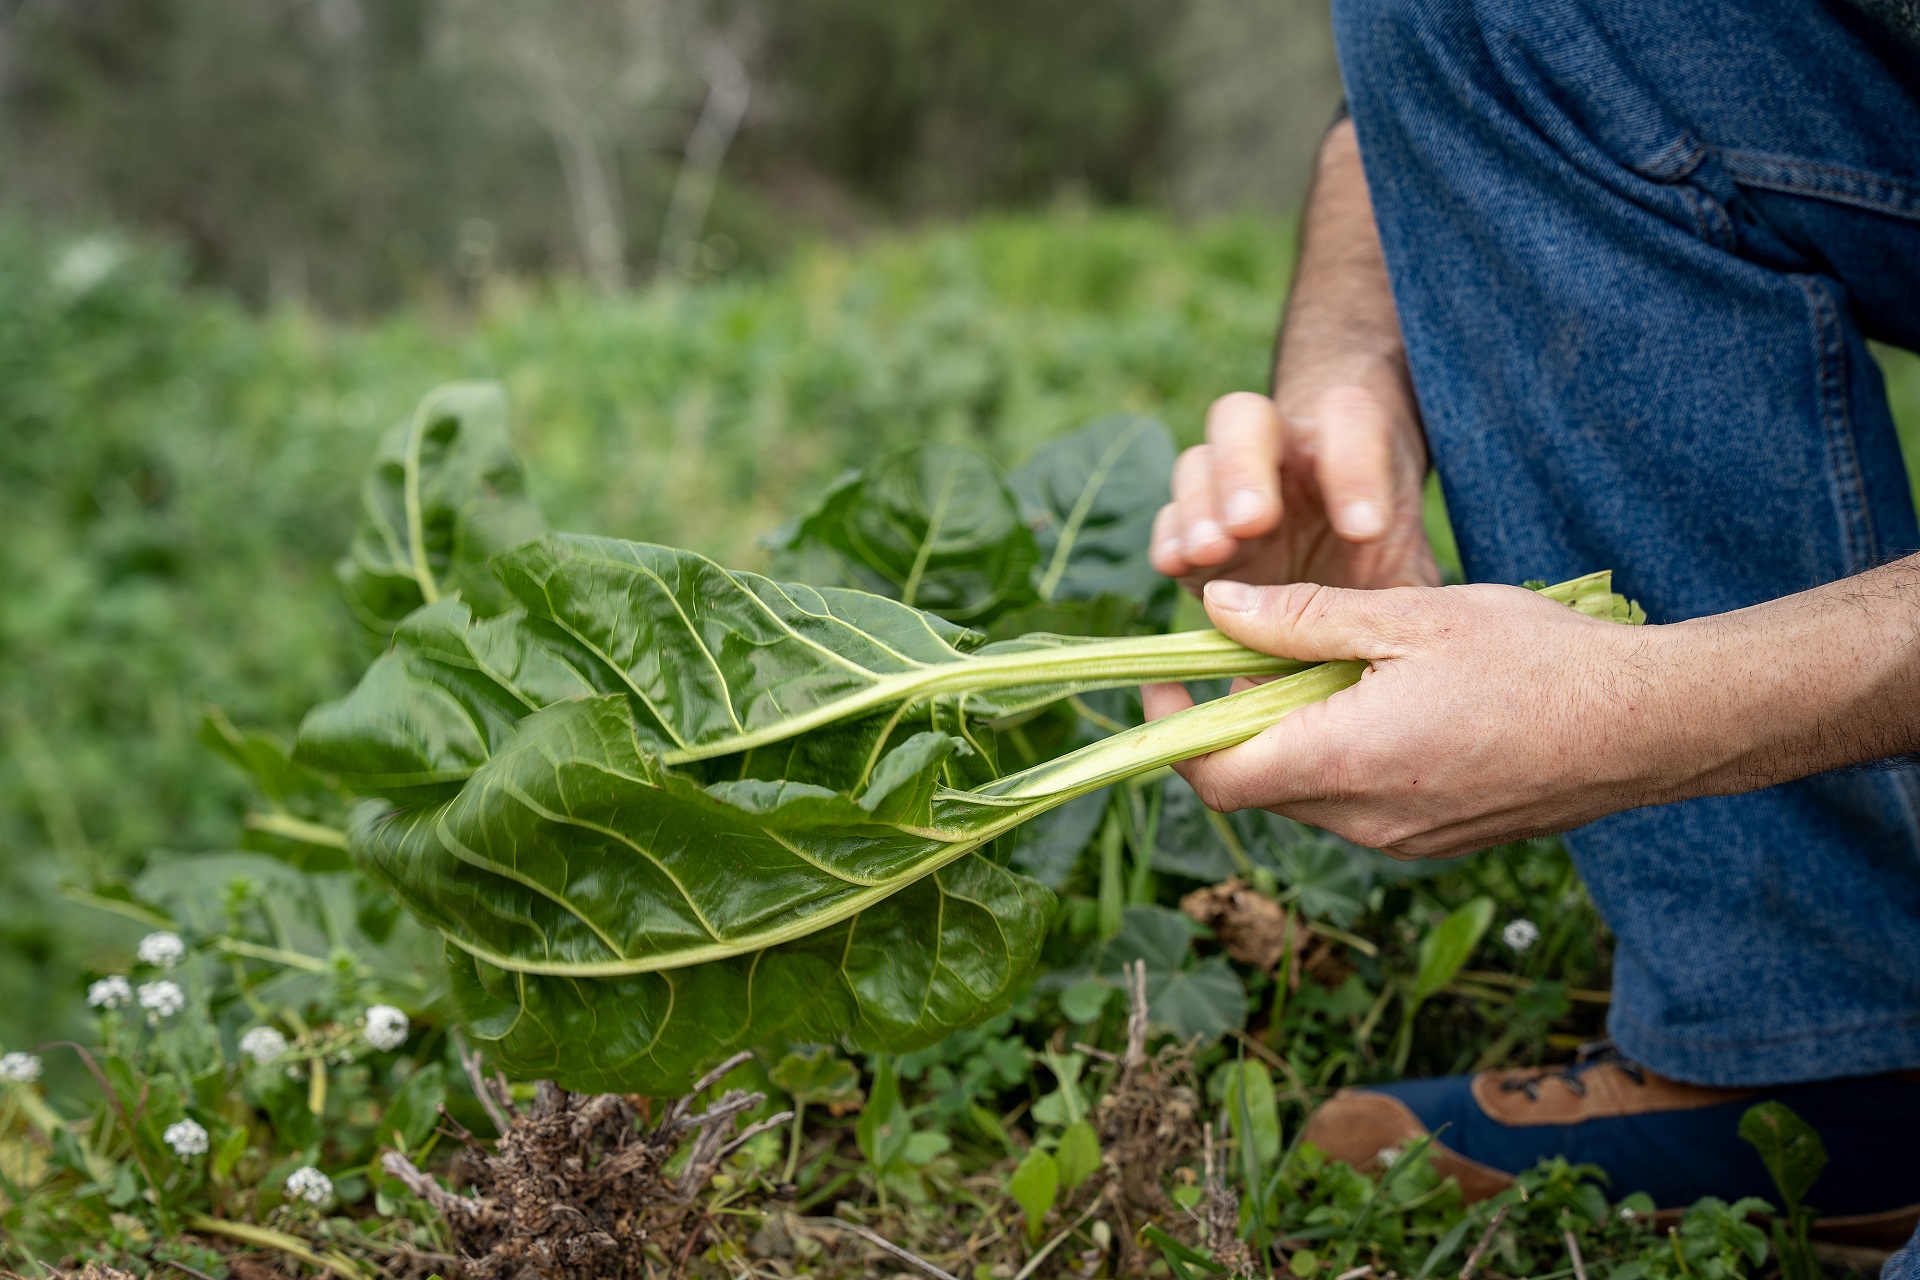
(309, 1184)
(162, 950)
(1520, 934)
(186, 1137)
(113, 992)
(162, 999)
(19, 1068)
(263, 1044)
(386, 1027)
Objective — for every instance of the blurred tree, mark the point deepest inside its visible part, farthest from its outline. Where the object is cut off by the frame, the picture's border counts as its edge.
(1257, 83)
(356, 154)
(952, 104)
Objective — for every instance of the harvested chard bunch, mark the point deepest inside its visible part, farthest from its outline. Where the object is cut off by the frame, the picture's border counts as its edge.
(662, 811)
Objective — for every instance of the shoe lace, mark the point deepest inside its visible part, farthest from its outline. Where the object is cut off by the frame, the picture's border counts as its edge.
(1592, 1054)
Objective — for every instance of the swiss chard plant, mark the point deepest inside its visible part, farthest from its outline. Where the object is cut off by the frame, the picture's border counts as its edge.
(661, 810)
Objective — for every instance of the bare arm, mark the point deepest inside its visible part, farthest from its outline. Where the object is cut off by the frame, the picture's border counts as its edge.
(1321, 481)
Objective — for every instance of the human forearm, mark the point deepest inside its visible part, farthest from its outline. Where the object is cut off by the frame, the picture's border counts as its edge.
(1340, 323)
(1819, 680)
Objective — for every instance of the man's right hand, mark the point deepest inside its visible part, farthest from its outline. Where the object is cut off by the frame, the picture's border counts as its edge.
(1327, 490)
(1322, 482)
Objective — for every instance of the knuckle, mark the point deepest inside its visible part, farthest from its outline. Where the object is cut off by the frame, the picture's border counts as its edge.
(1236, 412)
(1192, 467)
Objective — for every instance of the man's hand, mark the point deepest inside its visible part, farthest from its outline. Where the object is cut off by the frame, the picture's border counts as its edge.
(1493, 713)
(1329, 494)
(1489, 714)
(1322, 482)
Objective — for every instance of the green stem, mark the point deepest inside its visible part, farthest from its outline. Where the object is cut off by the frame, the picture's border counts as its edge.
(267, 1238)
(1112, 896)
(965, 820)
(1211, 726)
(254, 951)
(288, 827)
(793, 1142)
(1059, 667)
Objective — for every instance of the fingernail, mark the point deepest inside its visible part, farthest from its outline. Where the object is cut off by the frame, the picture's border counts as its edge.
(1234, 597)
(1244, 505)
(1168, 550)
(1203, 533)
(1363, 520)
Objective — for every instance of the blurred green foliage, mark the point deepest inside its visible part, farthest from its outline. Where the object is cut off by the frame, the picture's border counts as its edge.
(178, 476)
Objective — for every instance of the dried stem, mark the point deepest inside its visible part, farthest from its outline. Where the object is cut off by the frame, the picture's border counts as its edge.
(879, 1241)
(476, 1078)
(1486, 1239)
(1573, 1252)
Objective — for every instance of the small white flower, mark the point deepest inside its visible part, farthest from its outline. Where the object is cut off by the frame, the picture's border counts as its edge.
(186, 1137)
(1385, 1156)
(386, 1027)
(19, 1068)
(162, 950)
(263, 1044)
(1520, 934)
(1627, 1214)
(110, 993)
(162, 999)
(309, 1184)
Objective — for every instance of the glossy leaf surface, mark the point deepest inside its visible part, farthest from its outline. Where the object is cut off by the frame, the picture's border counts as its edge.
(1090, 498)
(445, 493)
(934, 526)
(714, 662)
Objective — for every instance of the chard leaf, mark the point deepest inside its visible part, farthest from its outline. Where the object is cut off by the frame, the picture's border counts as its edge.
(444, 494)
(714, 662)
(573, 869)
(933, 526)
(1090, 498)
(437, 704)
(947, 952)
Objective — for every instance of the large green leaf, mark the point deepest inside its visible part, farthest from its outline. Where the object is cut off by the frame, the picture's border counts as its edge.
(945, 953)
(933, 526)
(1090, 498)
(444, 494)
(714, 662)
(574, 869)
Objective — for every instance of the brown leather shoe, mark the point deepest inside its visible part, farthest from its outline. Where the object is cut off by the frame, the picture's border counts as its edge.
(1364, 1128)
(1676, 1141)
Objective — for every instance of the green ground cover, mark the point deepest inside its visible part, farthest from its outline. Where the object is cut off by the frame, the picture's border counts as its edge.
(179, 478)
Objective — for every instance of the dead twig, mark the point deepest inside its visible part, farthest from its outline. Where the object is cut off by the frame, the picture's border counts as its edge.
(1136, 976)
(192, 1271)
(757, 1128)
(477, 1080)
(879, 1241)
(1034, 1262)
(1486, 1239)
(1573, 1252)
